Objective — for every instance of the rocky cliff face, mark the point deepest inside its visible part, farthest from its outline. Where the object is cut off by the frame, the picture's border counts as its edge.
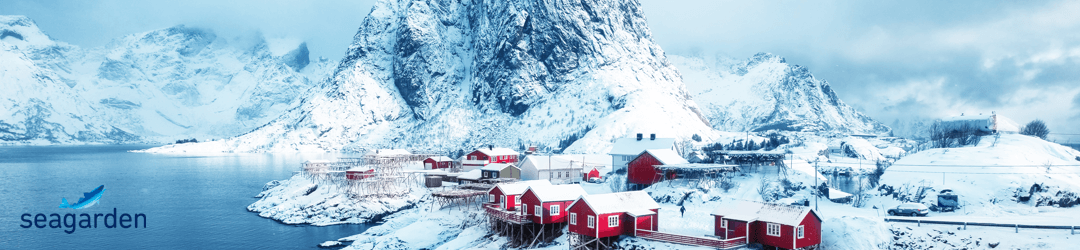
(161, 85)
(448, 75)
(766, 93)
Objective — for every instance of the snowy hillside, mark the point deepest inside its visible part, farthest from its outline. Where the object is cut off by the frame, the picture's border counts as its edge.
(160, 85)
(449, 75)
(765, 93)
(1012, 174)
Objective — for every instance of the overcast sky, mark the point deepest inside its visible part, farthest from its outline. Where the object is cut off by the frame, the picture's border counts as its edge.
(890, 59)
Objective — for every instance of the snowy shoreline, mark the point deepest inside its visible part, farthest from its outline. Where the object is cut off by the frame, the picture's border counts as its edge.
(298, 200)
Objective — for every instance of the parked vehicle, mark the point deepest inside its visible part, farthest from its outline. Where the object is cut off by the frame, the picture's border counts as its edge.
(910, 209)
(947, 201)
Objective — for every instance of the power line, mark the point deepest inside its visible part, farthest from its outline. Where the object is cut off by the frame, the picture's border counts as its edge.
(937, 172)
(988, 166)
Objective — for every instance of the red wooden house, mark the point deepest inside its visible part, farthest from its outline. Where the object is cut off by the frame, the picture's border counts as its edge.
(359, 173)
(547, 204)
(614, 214)
(642, 169)
(481, 157)
(591, 174)
(438, 162)
(777, 225)
(507, 196)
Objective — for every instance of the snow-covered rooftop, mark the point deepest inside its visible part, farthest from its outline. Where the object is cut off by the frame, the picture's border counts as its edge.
(517, 188)
(618, 202)
(471, 175)
(744, 210)
(561, 162)
(667, 156)
(558, 192)
(496, 166)
(497, 151)
(440, 158)
(632, 146)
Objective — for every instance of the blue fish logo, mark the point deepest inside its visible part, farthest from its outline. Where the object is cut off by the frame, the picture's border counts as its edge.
(88, 199)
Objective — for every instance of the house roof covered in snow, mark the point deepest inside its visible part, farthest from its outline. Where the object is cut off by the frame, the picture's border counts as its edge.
(514, 188)
(496, 166)
(632, 146)
(318, 162)
(440, 158)
(471, 175)
(550, 162)
(618, 202)
(562, 162)
(558, 192)
(744, 210)
(497, 151)
(666, 156)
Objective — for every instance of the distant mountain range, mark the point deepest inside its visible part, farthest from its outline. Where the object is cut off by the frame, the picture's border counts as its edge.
(441, 76)
(767, 93)
(166, 84)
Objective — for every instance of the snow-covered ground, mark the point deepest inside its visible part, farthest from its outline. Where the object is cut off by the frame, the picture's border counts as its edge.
(844, 226)
(298, 200)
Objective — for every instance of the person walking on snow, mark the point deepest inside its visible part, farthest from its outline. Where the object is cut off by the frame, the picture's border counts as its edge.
(682, 211)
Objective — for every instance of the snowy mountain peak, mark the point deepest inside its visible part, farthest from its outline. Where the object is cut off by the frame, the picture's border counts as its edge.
(22, 32)
(450, 75)
(760, 58)
(765, 92)
(159, 85)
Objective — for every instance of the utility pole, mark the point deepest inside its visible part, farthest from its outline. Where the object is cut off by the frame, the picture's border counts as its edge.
(816, 197)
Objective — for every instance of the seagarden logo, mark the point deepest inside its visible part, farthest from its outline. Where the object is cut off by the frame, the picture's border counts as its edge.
(83, 220)
(88, 199)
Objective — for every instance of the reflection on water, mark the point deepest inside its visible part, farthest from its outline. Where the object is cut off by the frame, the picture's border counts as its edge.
(192, 202)
(848, 183)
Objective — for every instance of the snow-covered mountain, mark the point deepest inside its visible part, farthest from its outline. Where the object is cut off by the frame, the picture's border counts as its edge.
(448, 75)
(178, 82)
(764, 93)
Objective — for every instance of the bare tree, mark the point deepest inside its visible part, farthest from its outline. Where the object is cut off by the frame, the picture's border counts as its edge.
(1036, 128)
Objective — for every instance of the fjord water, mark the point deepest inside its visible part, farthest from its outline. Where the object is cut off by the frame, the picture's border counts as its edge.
(191, 202)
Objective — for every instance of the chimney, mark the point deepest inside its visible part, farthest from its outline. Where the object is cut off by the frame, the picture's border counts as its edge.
(652, 137)
(491, 147)
(639, 136)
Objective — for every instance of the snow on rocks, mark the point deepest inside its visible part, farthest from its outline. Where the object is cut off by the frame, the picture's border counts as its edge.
(854, 233)
(862, 149)
(299, 201)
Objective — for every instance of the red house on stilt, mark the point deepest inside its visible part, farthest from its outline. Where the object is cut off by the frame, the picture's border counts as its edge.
(777, 225)
(507, 196)
(547, 204)
(614, 214)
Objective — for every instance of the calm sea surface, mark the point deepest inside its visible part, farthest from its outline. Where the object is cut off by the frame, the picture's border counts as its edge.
(190, 202)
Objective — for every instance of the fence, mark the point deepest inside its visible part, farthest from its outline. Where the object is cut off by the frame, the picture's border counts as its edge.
(512, 217)
(1017, 226)
(692, 240)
